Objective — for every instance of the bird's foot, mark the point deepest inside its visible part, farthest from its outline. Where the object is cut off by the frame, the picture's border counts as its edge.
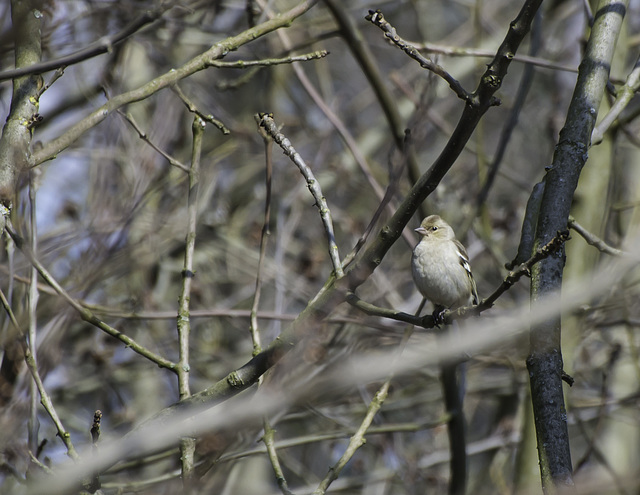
(438, 315)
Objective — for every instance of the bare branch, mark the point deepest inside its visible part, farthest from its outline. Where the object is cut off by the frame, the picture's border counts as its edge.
(103, 45)
(594, 240)
(196, 64)
(377, 19)
(266, 121)
(84, 313)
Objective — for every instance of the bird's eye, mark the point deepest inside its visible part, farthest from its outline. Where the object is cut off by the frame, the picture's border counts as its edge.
(434, 228)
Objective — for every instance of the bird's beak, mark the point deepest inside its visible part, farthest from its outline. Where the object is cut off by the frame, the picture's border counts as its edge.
(421, 231)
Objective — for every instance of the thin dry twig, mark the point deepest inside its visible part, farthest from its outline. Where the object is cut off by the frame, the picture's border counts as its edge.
(188, 443)
(33, 298)
(266, 62)
(254, 328)
(594, 240)
(524, 269)
(349, 141)
(455, 51)
(266, 121)
(143, 135)
(377, 19)
(194, 109)
(269, 433)
(103, 45)
(357, 440)
(198, 63)
(269, 441)
(45, 399)
(85, 313)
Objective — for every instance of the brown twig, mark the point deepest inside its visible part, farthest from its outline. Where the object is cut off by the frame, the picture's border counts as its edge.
(198, 63)
(357, 440)
(623, 97)
(187, 443)
(377, 19)
(143, 135)
(525, 268)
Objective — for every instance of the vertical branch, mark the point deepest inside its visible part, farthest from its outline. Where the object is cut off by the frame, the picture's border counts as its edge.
(187, 445)
(269, 433)
(545, 359)
(33, 425)
(16, 134)
(255, 332)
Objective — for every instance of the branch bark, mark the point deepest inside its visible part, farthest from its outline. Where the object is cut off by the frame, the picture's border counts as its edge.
(16, 134)
(545, 360)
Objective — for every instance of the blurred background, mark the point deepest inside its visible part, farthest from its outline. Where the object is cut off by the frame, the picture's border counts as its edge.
(111, 216)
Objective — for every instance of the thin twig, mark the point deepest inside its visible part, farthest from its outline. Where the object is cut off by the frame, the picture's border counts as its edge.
(56, 75)
(512, 120)
(241, 64)
(357, 440)
(346, 136)
(269, 433)
(194, 109)
(94, 484)
(269, 441)
(85, 313)
(353, 37)
(254, 328)
(594, 240)
(103, 45)
(33, 297)
(377, 19)
(524, 269)
(45, 400)
(143, 135)
(455, 51)
(624, 96)
(266, 121)
(198, 63)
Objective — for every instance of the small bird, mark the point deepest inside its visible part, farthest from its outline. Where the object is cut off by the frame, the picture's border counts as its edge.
(440, 267)
(442, 273)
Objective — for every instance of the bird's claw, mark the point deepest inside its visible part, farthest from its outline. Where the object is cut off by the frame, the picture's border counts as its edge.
(438, 316)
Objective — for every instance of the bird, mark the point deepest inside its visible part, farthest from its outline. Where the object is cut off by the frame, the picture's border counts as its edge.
(441, 269)
(442, 273)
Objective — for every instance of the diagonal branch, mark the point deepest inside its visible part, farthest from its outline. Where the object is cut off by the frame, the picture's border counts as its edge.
(196, 64)
(377, 19)
(103, 45)
(86, 314)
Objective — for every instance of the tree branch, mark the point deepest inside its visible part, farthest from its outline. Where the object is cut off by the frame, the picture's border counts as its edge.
(16, 134)
(545, 360)
(202, 61)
